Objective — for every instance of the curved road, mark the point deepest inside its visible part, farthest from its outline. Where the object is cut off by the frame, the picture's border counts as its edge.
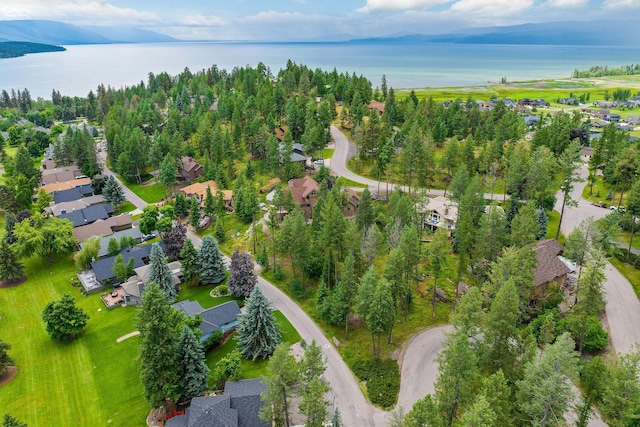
(355, 409)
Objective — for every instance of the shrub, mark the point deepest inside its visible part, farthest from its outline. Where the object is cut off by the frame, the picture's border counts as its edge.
(383, 380)
(213, 340)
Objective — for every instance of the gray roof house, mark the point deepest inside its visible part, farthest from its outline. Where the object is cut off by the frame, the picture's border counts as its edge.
(72, 194)
(238, 406)
(64, 207)
(103, 268)
(134, 233)
(135, 285)
(223, 317)
(89, 214)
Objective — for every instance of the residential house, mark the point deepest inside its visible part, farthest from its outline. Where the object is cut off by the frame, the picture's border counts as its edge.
(105, 227)
(440, 212)
(599, 124)
(612, 117)
(280, 131)
(551, 269)
(189, 168)
(587, 152)
(304, 192)
(88, 215)
(101, 273)
(68, 185)
(624, 128)
(633, 120)
(376, 105)
(531, 120)
(297, 154)
(223, 317)
(135, 285)
(133, 233)
(64, 207)
(52, 174)
(199, 192)
(353, 199)
(238, 406)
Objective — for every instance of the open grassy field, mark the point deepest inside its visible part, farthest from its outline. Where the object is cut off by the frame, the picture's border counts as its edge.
(150, 192)
(92, 380)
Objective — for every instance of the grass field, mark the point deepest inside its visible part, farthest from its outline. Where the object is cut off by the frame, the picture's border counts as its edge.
(632, 274)
(327, 153)
(92, 380)
(153, 193)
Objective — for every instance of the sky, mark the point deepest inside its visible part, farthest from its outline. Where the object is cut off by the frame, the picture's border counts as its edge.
(287, 20)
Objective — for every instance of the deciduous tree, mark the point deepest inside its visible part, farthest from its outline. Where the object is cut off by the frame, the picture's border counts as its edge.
(283, 373)
(242, 279)
(63, 318)
(44, 236)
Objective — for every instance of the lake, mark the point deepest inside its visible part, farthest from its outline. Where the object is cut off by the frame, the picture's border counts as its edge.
(83, 68)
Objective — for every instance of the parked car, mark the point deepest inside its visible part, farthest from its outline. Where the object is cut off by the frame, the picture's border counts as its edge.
(149, 237)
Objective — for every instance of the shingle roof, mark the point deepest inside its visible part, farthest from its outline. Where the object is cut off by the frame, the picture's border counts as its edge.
(189, 163)
(190, 308)
(66, 185)
(89, 214)
(301, 188)
(70, 194)
(103, 268)
(549, 265)
(73, 205)
(218, 316)
(104, 241)
(101, 227)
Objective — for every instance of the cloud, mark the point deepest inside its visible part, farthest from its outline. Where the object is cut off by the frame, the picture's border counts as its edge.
(566, 3)
(394, 5)
(100, 12)
(491, 8)
(621, 3)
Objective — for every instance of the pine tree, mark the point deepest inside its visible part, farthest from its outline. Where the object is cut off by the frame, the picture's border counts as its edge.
(5, 359)
(194, 371)
(381, 315)
(160, 274)
(194, 214)
(481, 414)
(257, 331)
(212, 269)
(11, 268)
(364, 212)
(9, 421)
(209, 203)
(525, 226)
(242, 279)
(313, 404)
(336, 418)
(283, 373)
(113, 192)
(189, 260)
(158, 337)
(180, 205)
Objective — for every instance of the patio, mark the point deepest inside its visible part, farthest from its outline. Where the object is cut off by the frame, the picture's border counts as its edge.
(113, 299)
(89, 282)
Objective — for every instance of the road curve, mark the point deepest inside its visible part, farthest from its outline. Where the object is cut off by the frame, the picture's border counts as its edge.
(355, 409)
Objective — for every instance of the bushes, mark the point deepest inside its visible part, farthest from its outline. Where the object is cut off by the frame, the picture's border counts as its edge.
(383, 380)
(213, 340)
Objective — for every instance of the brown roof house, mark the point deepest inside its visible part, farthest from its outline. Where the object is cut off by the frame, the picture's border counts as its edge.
(440, 212)
(199, 192)
(304, 192)
(353, 200)
(377, 105)
(189, 168)
(552, 268)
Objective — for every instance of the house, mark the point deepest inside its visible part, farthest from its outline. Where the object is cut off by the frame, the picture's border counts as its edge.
(440, 212)
(64, 207)
(223, 317)
(376, 105)
(102, 227)
(280, 131)
(238, 406)
(587, 152)
(612, 117)
(599, 124)
(353, 200)
(633, 120)
(199, 192)
(103, 268)
(52, 174)
(135, 285)
(304, 192)
(67, 185)
(88, 215)
(133, 233)
(189, 168)
(531, 120)
(551, 269)
(297, 154)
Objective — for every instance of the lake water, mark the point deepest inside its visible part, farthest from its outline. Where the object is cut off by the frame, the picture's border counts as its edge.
(83, 68)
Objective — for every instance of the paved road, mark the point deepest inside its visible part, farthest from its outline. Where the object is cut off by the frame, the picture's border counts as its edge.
(355, 409)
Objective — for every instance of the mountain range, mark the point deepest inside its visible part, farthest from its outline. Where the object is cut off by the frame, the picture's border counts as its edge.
(574, 33)
(59, 33)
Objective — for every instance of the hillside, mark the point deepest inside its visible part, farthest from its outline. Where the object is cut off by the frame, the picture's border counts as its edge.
(59, 33)
(16, 49)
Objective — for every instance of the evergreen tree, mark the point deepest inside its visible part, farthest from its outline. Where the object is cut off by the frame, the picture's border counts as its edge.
(63, 318)
(212, 269)
(242, 279)
(364, 212)
(189, 260)
(168, 173)
(313, 404)
(158, 355)
(336, 418)
(180, 205)
(282, 374)
(525, 226)
(5, 359)
(621, 394)
(193, 369)
(113, 192)
(438, 252)
(380, 317)
(312, 364)
(497, 392)
(257, 331)
(9, 421)
(545, 391)
(194, 214)
(219, 231)
(590, 294)
(210, 203)
(423, 413)
(11, 268)
(481, 414)
(160, 274)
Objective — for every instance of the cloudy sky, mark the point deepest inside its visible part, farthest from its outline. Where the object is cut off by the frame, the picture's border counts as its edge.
(312, 19)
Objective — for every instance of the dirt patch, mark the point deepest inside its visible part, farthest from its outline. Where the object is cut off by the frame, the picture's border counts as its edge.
(10, 373)
(13, 283)
(129, 335)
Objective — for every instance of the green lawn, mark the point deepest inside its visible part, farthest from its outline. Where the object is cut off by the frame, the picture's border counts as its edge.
(632, 274)
(84, 382)
(625, 236)
(344, 182)
(153, 193)
(552, 227)
(127, 207)
(327, 153)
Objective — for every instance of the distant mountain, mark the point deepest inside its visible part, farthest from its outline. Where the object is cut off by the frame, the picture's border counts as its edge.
(59, 33)
(15, 49)
(576, 33)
